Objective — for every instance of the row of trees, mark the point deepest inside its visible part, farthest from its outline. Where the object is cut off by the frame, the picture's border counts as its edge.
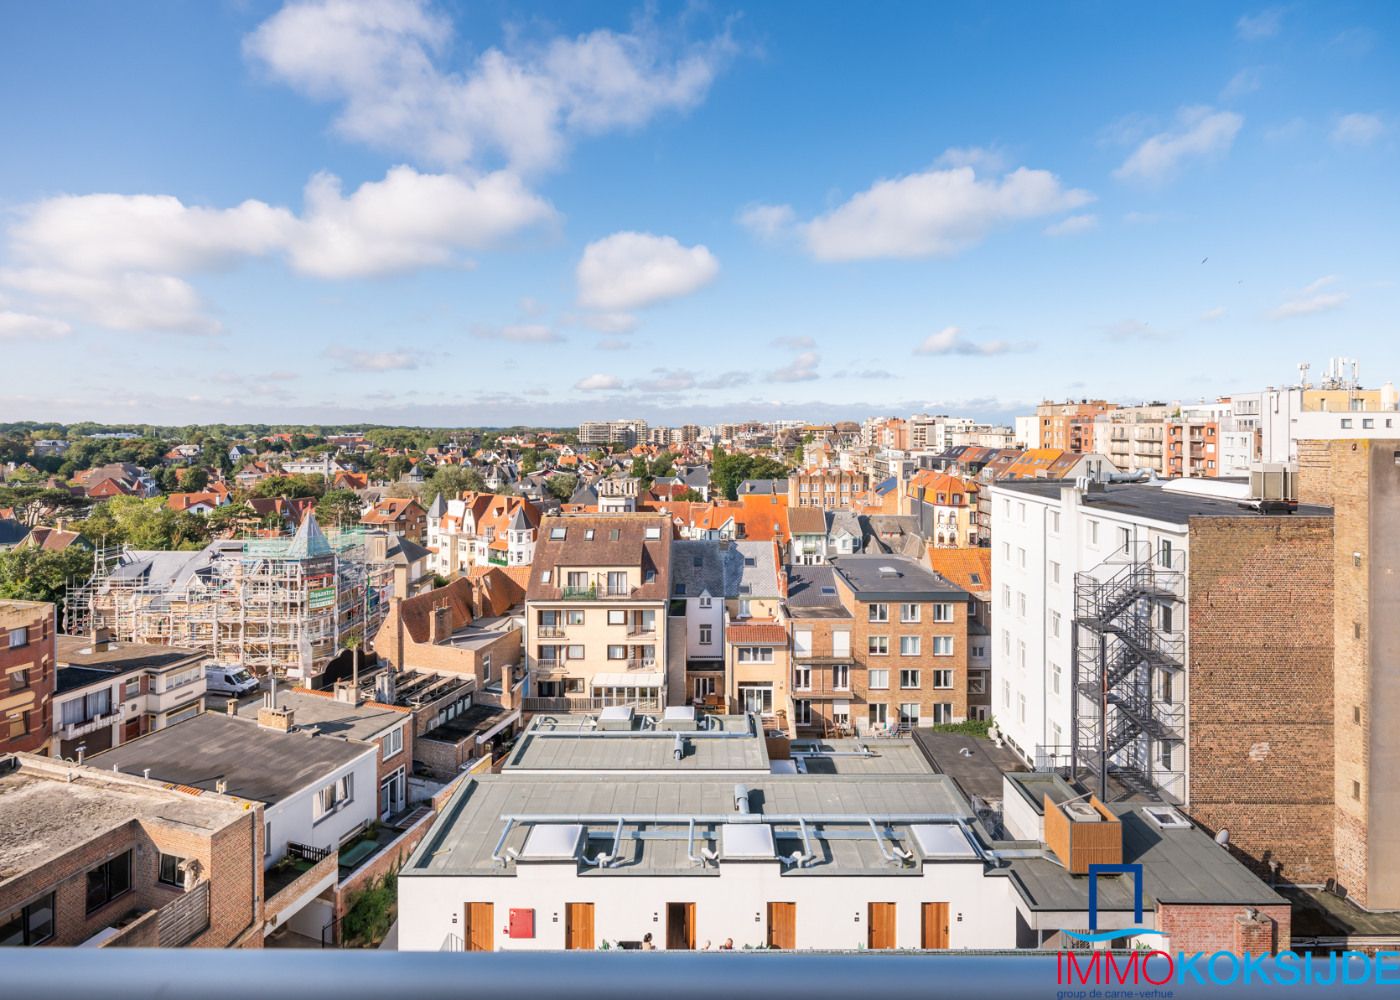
(728, 471)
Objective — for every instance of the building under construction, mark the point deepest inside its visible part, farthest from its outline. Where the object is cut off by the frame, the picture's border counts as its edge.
(281, 606)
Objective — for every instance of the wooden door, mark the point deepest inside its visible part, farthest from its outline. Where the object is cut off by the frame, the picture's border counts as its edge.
(881, 926)
(935, 932)
(782, 925)
(480, 932)
(680, 926)
(578, 926)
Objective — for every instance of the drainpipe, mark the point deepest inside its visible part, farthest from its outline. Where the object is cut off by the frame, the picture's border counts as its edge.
(498, 855)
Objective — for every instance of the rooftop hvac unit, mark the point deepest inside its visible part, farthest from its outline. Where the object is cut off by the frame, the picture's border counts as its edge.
(616, 717)
(1273, 481)
(679, 718)
(1082, 812)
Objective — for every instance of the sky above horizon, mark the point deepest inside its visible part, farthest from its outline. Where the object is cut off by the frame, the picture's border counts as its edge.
(500, 213)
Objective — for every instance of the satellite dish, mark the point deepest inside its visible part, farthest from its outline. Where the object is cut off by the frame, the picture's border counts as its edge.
(1223, 838)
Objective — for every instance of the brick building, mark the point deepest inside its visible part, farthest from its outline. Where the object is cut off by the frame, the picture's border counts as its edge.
(92, 857)
(27, 675)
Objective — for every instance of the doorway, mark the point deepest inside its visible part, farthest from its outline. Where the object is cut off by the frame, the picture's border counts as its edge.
(480, 931)
(935, 926)
(578, 926)
(680, 926)
(880, 934)
(782, 925)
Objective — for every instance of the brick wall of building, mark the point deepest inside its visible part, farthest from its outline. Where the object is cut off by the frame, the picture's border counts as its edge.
(26, 712)
(1225, 928)
(1260, 689)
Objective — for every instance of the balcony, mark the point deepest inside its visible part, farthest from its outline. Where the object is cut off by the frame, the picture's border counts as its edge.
(76, 729)
(589, 593)
(549, 631)
(639, 662)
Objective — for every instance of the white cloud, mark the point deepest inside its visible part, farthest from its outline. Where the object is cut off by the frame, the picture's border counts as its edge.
(353, 360)
(1260, 25)
(1242, 84)
(667, 380)
(767, 222)
(613, 344)
(795, 343)
(407, 220)
(1136, 329)
(1072, 225)
(950, 340)
(608, 322)
(23, 326)
(519, 333)
(629, 270)
(383, 62)
(1312, 299)
(990, 161)
(1358, 129)
(935, 213)
(598, 382)
(1211, 315)
(1200, 132)
(121, 261)
(802, 368)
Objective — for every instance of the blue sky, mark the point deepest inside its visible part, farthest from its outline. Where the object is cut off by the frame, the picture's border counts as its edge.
(498, 213)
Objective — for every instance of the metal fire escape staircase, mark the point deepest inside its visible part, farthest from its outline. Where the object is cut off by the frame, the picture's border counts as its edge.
(1126, 665)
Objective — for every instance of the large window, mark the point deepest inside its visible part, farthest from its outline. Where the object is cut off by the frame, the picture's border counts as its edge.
(756, 698)
(170, 873)
(108, 881)
(878, 645)
(879, 612)
(943, 645)
(755, 654)
(942, 678)
(908, 612)
(802, 678)
(942, 612)
(909, 713)
(335, 796)
(803, 712)
(393, 742)
(909, 678)
(29, 925)
(909, 645)
(879, 680)
(942, 713)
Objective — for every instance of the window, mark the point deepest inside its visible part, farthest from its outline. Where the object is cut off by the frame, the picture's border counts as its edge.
(841, 677)
(942, 612)
(1346, 424)
(879, 714)
(802, 678)
(879, 612)
(393, 742)
(1166, 618)
(1093, 532)
(556, 534)
(19, 680)
(1021, 707)
(943, 645)
(486, 666)
(755, 654)
(802, 711)
(131, 689)
(909, 714)
(878, 645)
(335, 796)
(614, 534)
(879, 680)
(942, 713)
(577, 581)
(1165, 757)
(617, 652)
(1164, 552)
(19, 637)
(1021, 604)
(573, 617)
(653, 533)
(1006, 694)
(705, 602)
(909, 612)
(170, 873)
(1006, 551)
(617, 582)
(1006, 597)
(575, 652)
(1055, 675)
(1021, 510)
(1021, 654)
(1054, 571)
(909, 678)
(704, 687)
(1125, 539)
(1055, 521)
(1055, 624)
(943, 678)
(757, 698)
(706, 635)
(267, 838)
(108, 881)
(977, 682)
(617, 617)
(1021, 557)
(909, 645)
(30, 925)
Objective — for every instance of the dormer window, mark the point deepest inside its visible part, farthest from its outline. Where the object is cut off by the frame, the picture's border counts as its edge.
(557, 534)
(588, 535)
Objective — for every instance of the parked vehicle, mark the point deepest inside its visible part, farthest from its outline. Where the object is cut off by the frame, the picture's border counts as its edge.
(229, 679)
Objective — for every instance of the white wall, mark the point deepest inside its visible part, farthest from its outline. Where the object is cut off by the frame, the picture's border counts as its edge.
(695, 616)
(727, 901)
(293, 820)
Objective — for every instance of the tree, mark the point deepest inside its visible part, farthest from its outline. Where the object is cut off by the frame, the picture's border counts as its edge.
(35, 574)
(144, 524)
(451, 481)
(690, 496)
(529, 462)
(197, 479)
(290, 487)
(340, 508)
(562, 485)
(223, 518)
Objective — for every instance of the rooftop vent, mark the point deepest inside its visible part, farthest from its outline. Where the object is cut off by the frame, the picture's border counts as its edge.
(1166, 818)
(616, 718)
(1082, 812)
(888, 571)
(552, 842)
(679, 718)
(746, 842)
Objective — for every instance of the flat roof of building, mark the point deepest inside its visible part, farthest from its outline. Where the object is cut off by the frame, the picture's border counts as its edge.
(81, 662)
(259, 764)
(893, 578)
(331, 716)
(556, 743)
(43, 814)
(1152, 502)
(855, 756)
(1178, 866)
(812, 593)
(975, 763)
(467, 832)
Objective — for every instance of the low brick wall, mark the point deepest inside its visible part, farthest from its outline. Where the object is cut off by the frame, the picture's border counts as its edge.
(143, 932)
(392, 857)
(1226, 928)
(288, 895)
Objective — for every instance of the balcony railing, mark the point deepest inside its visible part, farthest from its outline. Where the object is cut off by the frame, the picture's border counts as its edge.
(581, 593)
(550, 631)
(640, 663)
(75, 729)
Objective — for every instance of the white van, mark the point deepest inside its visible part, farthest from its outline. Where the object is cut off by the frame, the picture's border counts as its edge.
(229, 679)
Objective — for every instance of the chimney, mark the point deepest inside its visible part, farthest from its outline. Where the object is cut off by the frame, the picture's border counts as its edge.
(400, 581)
(231, 706)
(347, 692)
(278, 719)
(102, 639)
(378, 547)
(440, 626)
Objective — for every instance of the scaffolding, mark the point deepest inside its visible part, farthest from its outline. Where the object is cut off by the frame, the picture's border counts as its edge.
(1129, 659)
(281, 606)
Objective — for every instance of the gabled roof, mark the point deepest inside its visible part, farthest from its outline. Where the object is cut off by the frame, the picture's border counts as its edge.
(806, 520)
(697, 567)
(631, 548)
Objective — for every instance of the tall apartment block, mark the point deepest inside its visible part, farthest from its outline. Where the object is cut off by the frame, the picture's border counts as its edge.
(27, 673)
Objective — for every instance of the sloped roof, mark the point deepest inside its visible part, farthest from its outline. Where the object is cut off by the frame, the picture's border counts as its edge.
(310, 541)
(970, 568)
(416, 613)
(631, 547)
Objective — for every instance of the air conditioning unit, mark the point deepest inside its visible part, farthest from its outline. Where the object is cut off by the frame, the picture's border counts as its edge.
(1273, 481)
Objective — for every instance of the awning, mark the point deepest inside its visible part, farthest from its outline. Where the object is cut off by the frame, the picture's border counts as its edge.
(630, 680)
(498, 727)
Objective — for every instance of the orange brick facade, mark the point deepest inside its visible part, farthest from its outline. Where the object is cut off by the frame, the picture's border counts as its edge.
(27, 672)
(1209, 929)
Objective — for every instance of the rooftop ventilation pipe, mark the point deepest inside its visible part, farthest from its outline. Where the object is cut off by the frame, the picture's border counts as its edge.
(679, 750)
(741, 800)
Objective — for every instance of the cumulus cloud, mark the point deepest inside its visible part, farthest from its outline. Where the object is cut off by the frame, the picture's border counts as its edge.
(1200, 132)
(950, 340)
(1358, 129)
(384, 63)
(1071, 225)
(802, 368)
(935, 213)
(1260, 25)
(353, 360)
(767, 222)
(598, 382)
(629, 270)
(121, 261)
(607, 322)
(1318, 297)
(23, 326)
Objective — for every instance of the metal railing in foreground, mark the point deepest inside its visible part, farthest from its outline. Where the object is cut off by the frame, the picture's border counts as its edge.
(138, 974)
